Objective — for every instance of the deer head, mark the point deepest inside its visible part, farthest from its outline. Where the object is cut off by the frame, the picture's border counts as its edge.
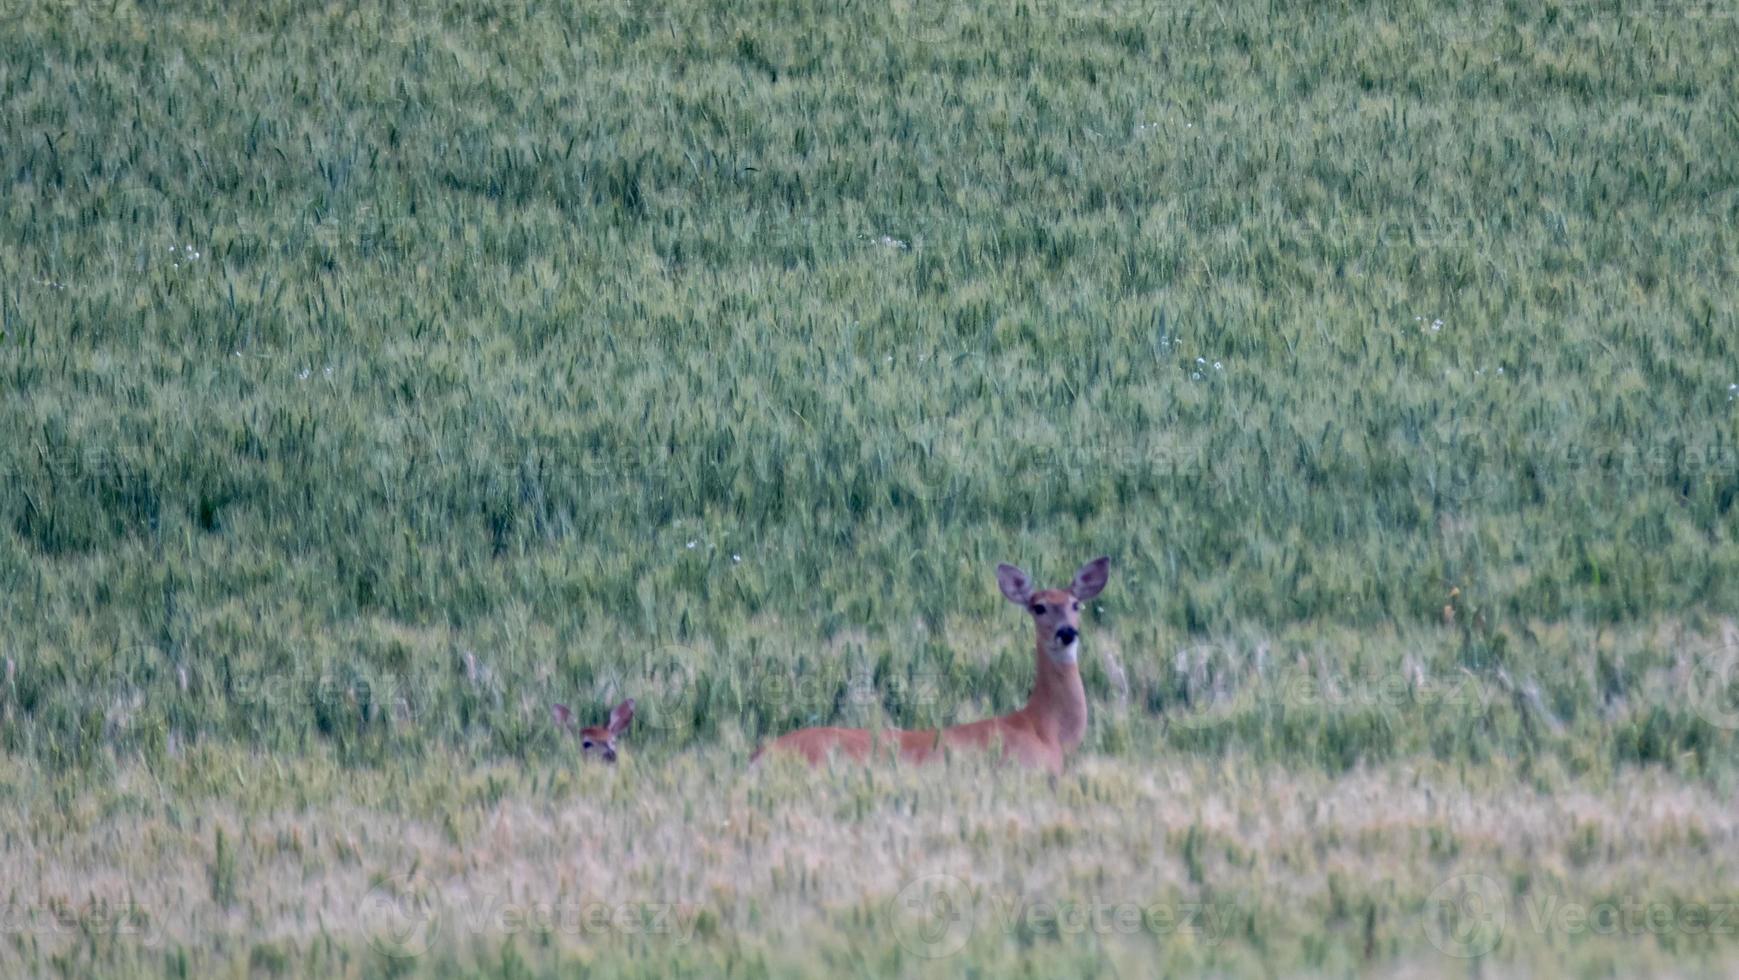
(1056, 612)
(597, 741)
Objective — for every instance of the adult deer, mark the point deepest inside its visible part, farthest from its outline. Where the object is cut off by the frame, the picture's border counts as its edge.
(597, 741)
(1050, 726)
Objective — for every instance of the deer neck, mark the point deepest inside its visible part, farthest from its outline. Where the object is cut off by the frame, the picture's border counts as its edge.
(1057, 707)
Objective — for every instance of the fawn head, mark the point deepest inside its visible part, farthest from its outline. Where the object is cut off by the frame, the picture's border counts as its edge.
(1056, 612)
(597, 741)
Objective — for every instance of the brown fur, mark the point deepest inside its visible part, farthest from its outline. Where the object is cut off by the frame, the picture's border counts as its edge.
(1041, 734)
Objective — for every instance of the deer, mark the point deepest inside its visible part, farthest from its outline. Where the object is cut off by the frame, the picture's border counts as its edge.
(597, 741)
(1040, 735)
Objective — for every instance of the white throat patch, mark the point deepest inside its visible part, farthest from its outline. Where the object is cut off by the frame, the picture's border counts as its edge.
(1065, 654)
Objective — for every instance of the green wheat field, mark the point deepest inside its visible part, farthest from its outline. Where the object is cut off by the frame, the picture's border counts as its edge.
(375, 375)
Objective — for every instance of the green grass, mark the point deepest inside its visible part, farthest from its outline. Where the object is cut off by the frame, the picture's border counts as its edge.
(374, 377)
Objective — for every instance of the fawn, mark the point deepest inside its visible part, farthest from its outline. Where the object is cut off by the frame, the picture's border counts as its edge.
(597, 741)
(1050, 726)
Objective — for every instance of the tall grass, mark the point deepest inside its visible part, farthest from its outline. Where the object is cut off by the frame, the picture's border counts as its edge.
(374, 376)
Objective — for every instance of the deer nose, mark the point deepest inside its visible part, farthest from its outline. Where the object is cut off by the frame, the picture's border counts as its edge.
(1067, 634)
(609, 755)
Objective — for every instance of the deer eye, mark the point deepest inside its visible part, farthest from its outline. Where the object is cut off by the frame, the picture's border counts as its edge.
(586, 744)
(1038, 609)
(1077, 607)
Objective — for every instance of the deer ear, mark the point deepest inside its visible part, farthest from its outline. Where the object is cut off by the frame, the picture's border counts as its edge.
(1090, 579)
(620, 718)
(563, 716)
(1014, 584)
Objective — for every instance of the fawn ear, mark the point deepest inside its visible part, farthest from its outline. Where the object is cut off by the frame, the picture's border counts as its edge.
(563, 716)
(620, 717)
(1090, 579)
(1014, 584)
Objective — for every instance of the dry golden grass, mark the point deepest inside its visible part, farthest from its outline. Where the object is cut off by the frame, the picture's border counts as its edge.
(697, 859)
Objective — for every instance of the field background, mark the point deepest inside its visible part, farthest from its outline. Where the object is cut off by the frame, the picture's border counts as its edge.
(375, 375)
